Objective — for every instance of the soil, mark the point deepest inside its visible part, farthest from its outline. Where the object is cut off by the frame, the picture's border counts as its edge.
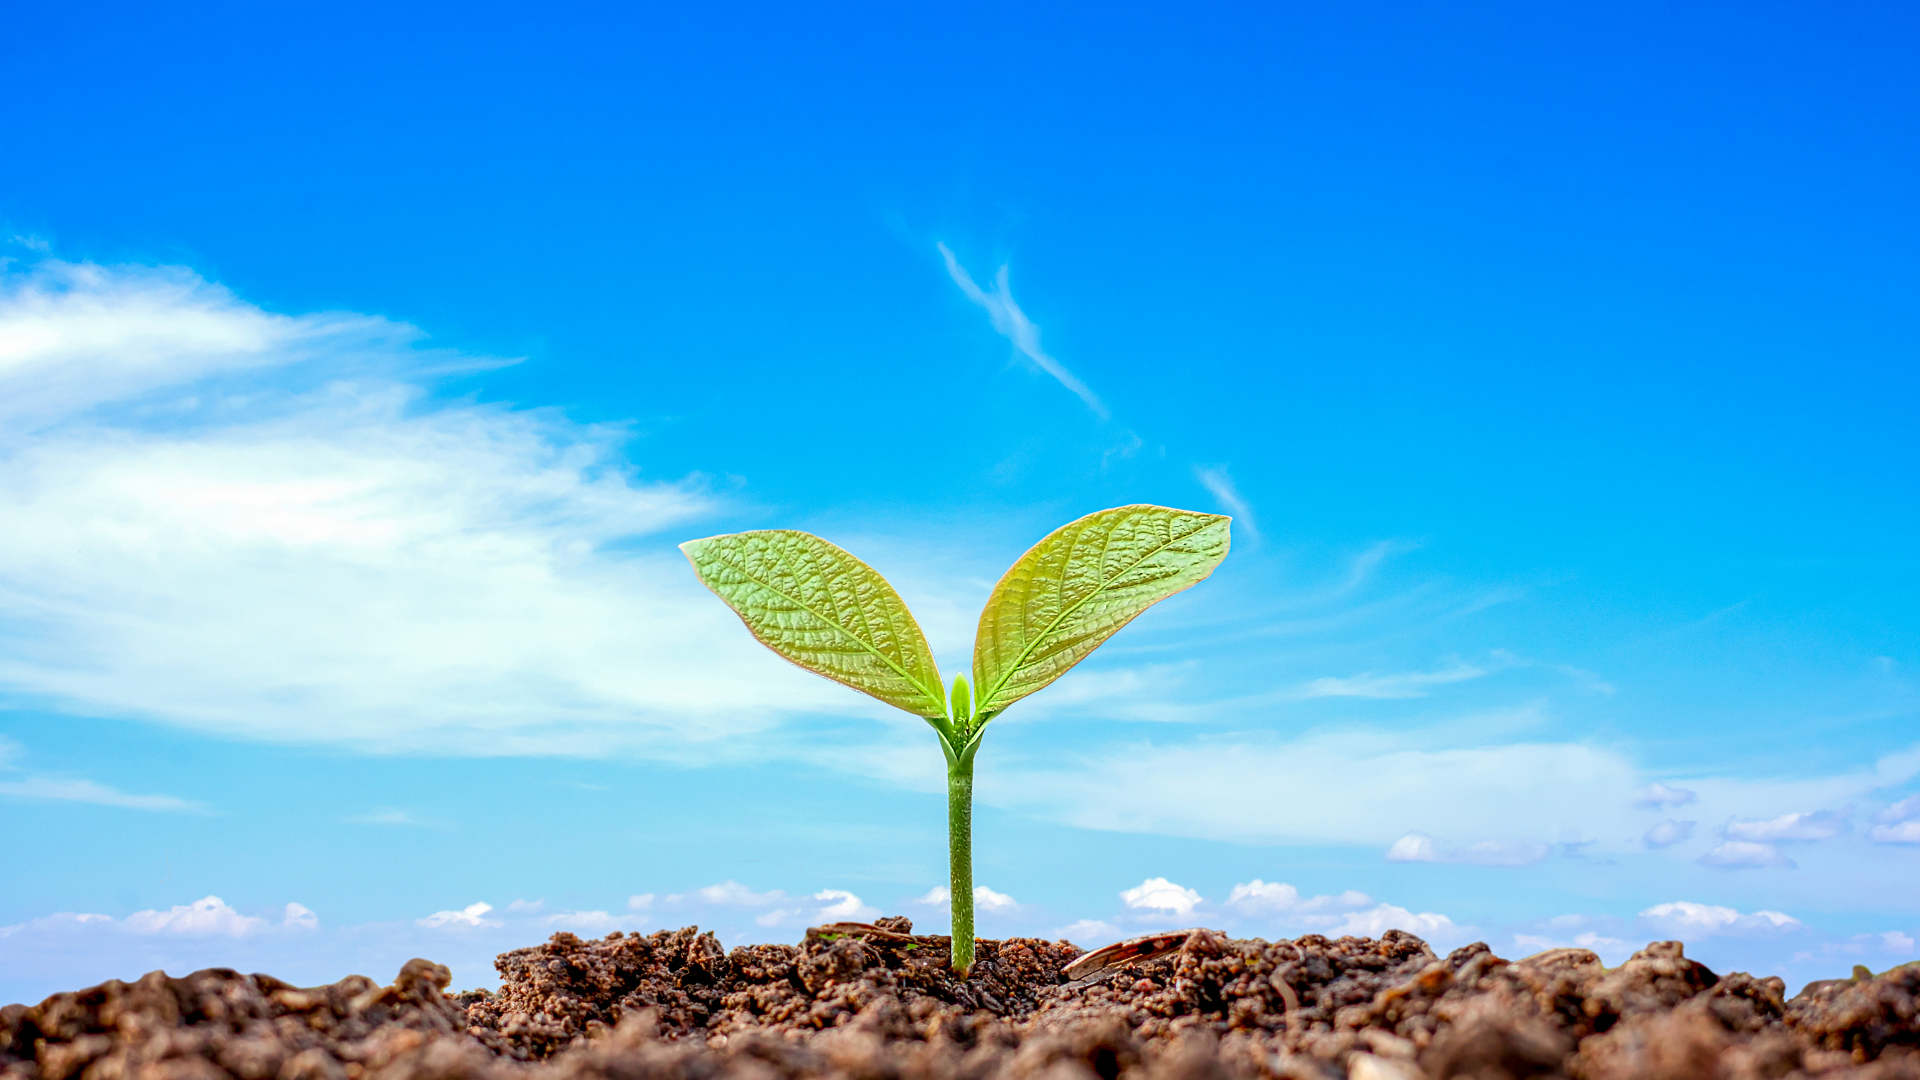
(878, 1004)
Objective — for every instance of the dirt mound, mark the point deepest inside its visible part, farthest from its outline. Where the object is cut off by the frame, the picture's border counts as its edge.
(878, 1004)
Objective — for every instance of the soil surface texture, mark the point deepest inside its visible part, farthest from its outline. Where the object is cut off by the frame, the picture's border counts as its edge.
(878, 1004)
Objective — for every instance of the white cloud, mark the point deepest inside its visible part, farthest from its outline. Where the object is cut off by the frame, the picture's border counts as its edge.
(1216, 480)
(730, 893)
(1611, 950)
(1089, 933)
(1013, 324)
(526, 907)
(594, 922)
(1419, 847)
(1907, 832)
(1384, 917)
(1895, 942)
(41, 788)
(1260, 898)
(987, 900)
(1411, 684)
(1414, 847)
(1348, 913)
(1159, 894)
(259, 525)
(845, 907)
(1668, 833)
(1903, 810)
(1745, 855)
(58, 921)
(1820, 826)
(640, 901)
(984, 899)
(1692, 922)
(471, 915)
(1658, 796)
(209, 915)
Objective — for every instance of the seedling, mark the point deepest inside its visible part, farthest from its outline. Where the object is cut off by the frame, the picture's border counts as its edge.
(821, 608)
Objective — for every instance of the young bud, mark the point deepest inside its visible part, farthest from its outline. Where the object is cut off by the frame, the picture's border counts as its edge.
(962, 701)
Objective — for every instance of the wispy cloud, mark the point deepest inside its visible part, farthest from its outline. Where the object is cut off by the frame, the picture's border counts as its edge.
(1408, 684)
(261, 525)
(1823, 825)
(1013, 324)
(53, 789)
(1216, 480)
(41, 788)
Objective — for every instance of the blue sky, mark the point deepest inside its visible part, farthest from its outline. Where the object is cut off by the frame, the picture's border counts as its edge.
(361, 368)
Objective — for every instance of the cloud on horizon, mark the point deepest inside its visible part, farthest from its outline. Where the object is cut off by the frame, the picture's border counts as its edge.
(1400, 792)
(69, 950)
(1691, 922)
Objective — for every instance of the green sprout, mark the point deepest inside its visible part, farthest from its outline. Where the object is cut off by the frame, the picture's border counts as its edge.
(828, 612)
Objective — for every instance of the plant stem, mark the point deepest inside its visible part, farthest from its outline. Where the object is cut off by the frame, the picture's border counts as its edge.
(960, 855)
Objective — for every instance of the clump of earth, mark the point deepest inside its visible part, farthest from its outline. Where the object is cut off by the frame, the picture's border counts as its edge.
(877, 1003)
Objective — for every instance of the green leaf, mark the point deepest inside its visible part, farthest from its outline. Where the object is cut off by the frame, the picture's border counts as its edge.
(1079, 586)
(824, 610)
